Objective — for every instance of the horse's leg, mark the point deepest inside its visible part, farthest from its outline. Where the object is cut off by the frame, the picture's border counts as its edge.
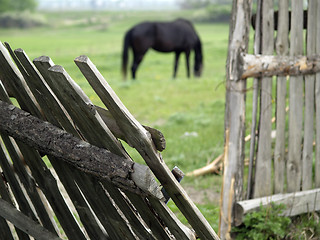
(176, 64)
(136, 61)
(188, 63)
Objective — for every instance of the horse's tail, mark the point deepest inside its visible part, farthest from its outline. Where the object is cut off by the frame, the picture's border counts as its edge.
(126, 45)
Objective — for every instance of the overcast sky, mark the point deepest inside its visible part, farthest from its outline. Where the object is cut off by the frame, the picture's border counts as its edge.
(107, 4)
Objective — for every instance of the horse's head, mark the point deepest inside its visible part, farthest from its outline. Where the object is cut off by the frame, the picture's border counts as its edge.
(198, 60)
(198, 69)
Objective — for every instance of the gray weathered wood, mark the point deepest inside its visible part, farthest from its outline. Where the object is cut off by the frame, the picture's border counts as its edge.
(47, 183)
(270, 65)
(176, 227)
(24, 222)
(282, 49)
(157, 137)
(141, 178)
(255, 95)
(75, 101)
(141, 140)
(308, 138)
(234, 116)
(152, 221)
(98, 162)
(4, 192)
(134, 220)
(55, 113)
(263, 185)
(295, 102)
(296, 203)
(43, 63)
(15, 83)
(317, 110)
(4, 227)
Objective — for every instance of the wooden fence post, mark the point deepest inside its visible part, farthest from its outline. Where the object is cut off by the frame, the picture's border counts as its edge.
(234, 115)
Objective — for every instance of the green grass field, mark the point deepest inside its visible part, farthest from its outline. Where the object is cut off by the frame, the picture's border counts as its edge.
(189, 112)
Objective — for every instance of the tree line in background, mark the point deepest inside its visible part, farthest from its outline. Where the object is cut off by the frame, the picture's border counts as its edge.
(195, 4)
(17, 5)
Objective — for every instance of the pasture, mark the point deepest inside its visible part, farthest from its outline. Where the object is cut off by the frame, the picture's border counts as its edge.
(189, 112)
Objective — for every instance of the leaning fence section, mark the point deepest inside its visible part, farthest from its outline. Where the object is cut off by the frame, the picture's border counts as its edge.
(65, 174)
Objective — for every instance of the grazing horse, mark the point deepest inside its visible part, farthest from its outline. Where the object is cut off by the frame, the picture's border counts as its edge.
(177, 36)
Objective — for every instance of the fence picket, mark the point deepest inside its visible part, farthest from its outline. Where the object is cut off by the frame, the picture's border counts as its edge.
(263, 184)
(295, 102)
(307, 156)
(317, 102)
(281, 49)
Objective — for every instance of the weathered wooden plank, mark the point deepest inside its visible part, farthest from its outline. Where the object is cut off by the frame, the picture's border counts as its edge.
(179, 230)
(79, 147)
(52, 108)
(142, 179)
(255, 98)
(5, 229)
(146, 212)
(308, 139)
(282, 49)
(164, 218)
(263, 183)
(295, 102)
(56, 142)
(47, 184)
(157, 137)
(141, 140)
(134, 220)
(43, 63)
(57, 115)
(270, 65)
(15, 83)
(75, 101)
(317, 110)
(29, 184)
(234, 116)
(4, 193)
(25, 178)
(296, 203)
(24, 222)
(105, 209)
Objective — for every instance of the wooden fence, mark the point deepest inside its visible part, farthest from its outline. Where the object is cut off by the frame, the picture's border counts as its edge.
(285, 100)
(106, 194)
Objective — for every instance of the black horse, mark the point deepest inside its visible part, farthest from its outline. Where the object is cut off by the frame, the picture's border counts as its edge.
(177, 36)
